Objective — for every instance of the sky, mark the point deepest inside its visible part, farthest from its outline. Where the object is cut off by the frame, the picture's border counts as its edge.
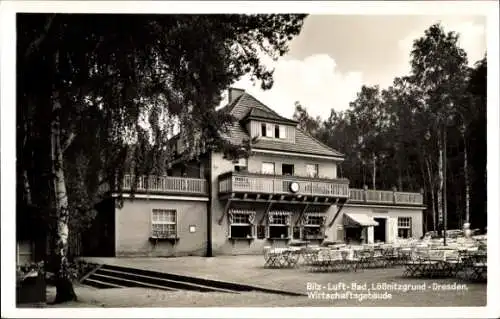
(334, 55)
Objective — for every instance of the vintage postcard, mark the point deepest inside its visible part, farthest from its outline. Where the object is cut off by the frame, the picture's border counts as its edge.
(249, 159)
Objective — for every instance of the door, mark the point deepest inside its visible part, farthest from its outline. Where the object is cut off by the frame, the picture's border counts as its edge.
(392, 229)
(380, 230)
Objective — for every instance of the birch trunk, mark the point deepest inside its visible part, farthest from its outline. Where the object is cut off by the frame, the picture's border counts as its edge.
(467, 186)
(433, 199)
(64, 285)
(440, 181)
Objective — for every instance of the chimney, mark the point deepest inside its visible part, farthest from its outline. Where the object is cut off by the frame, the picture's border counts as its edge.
(234, 94)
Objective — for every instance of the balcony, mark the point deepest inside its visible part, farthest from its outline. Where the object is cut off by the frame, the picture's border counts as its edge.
(384, 197)
(166, 185)
(274, 185)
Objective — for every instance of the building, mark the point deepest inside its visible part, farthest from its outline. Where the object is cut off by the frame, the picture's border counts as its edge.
(288, 189)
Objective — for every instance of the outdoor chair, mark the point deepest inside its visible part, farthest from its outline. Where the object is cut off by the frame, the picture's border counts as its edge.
(436, 265)
(320, 260)
(390, 256)
(280, 257)
(350, 260)
(309, 254)
(327, 260)
(365, 257)
(417, 264)
(475, 265)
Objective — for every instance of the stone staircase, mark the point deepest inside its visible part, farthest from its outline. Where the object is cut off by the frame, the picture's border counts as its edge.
(112, 276)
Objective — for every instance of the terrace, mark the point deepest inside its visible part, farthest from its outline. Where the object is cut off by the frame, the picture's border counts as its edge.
(277, 185)
(166, 185)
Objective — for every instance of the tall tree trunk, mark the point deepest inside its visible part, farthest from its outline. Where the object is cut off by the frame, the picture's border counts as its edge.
(432, 190)
(64, 285)
(440, 181)
(400, 175)
(374, 177)
(445, 192)
(466, 178)
(425, 193)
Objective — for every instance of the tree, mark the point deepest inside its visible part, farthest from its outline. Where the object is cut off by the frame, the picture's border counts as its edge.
(476, 138)
(439, 71)
(306, 122)
(99, 101)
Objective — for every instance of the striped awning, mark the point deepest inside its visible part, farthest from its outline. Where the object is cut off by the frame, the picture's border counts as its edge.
(359, 219)
(279, 213)
(250, 213)
(315, 214)
(241, 211)
(306, 220)
(275, 213)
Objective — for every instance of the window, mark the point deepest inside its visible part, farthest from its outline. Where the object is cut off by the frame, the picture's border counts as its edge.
(266, 130)
(282, 131)
(277, 131)
(312, 226)
(287, 169)
(164, 223)
(279, 225)
(268, 168)
(273, 130)
(241, 224)
(263, 129)
(404, 227)
(312, 170)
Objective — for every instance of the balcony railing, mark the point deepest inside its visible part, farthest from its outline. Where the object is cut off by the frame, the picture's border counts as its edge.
(272, 184)
(166, 185)
(384, 197)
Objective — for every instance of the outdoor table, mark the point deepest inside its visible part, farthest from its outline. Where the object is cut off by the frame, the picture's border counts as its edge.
(474, 264)
(299, 243)
(281, 257)
(327, 260)
(309, 254)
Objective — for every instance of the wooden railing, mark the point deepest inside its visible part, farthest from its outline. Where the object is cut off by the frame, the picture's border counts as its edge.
(166, 184)
(384, 197)
(272, 184)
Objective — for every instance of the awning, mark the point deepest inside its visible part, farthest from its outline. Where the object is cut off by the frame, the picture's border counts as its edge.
(280, 213)
(273, 214)
(360, 219)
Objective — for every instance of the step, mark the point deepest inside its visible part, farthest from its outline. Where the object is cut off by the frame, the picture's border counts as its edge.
(100, 284)
(234, 287)
(127, 282)
(182, 285)
(194, 280)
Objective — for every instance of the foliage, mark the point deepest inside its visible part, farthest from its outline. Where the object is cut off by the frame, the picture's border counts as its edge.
(400, 125)
(125, 84)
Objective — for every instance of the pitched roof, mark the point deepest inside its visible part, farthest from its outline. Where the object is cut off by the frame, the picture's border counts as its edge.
(246, 105)
(256, 113)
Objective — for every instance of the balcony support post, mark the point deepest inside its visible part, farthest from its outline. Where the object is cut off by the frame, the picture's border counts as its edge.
(226, 209)
(268, 207)
(341, 205)
(302, 214)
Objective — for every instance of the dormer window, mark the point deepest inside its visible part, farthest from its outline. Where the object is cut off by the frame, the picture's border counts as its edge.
(267, 130)
(273, 130)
